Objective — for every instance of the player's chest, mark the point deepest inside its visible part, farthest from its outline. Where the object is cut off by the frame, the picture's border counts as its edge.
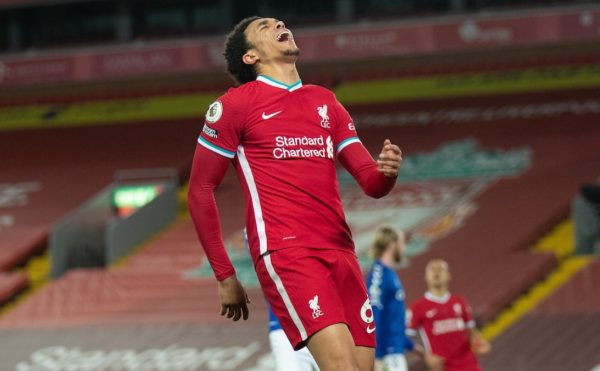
(444, 312)
(288, 118)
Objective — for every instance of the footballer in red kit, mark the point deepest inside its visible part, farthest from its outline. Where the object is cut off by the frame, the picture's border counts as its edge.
(283, 138)
(276, 136)
(445, 324)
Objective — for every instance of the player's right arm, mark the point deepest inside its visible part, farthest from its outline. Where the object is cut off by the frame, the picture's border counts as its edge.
(214, 151)
(208, 170)
(413, 324)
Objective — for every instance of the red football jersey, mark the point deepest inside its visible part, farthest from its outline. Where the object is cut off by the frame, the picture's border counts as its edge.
(442, 323)
(276, 134)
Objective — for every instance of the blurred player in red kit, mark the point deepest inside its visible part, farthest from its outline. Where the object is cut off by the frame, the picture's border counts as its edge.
(283, 138)
(445, 324)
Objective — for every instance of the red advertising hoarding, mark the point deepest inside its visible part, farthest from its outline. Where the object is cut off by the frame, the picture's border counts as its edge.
(35, 71)
(324, 44)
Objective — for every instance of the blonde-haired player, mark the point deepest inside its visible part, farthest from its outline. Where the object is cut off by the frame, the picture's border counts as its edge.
(387, 299)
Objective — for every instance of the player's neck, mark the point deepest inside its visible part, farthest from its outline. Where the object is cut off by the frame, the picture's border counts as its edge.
(282, 72)
(387, 259)
(438, 291)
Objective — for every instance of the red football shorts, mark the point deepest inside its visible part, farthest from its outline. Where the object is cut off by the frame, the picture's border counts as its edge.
(310, 289)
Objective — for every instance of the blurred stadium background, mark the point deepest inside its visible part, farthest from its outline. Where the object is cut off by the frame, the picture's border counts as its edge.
(495, 103)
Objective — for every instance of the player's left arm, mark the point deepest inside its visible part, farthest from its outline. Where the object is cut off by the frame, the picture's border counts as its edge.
(478, 343)
(208, 170)
(410, 334)
(376, 178)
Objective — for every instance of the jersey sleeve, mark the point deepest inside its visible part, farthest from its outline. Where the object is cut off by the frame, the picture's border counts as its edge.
(223, 125)
(359, 163)
(413, 320)
(467, 314)
(344, 131)
(376, 287)
(208, 170)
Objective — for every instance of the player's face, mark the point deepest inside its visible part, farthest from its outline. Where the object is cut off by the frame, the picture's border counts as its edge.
(437, 274)
(270, 39)
(400, 246)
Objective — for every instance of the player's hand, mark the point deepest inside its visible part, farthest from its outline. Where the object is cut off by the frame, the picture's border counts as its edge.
(481, 346)
(390, 159)
(234, 300)
(434, 362)
(419, 351)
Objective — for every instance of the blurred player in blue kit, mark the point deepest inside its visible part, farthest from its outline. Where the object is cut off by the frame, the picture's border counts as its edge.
(387, 299)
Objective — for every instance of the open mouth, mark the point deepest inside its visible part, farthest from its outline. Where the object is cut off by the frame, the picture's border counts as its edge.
(284, 36)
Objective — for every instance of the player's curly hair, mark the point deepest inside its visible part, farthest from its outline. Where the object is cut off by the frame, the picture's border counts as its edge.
(236, 45)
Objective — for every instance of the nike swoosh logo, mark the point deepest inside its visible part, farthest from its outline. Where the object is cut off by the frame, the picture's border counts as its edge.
(370, 330)
(266, 117)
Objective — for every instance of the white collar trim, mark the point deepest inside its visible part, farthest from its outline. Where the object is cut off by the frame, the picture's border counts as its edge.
(278, 84)
(437, 299)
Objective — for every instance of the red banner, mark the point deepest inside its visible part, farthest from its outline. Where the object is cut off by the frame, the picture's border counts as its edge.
(360, 41)
(136, 62)
(34, 71)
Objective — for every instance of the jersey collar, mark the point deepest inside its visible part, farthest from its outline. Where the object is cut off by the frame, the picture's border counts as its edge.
(438, 299)
(278, 84)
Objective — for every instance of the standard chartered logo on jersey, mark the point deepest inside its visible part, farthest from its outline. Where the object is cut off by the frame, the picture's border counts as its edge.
(303, 147)
(446, 326)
